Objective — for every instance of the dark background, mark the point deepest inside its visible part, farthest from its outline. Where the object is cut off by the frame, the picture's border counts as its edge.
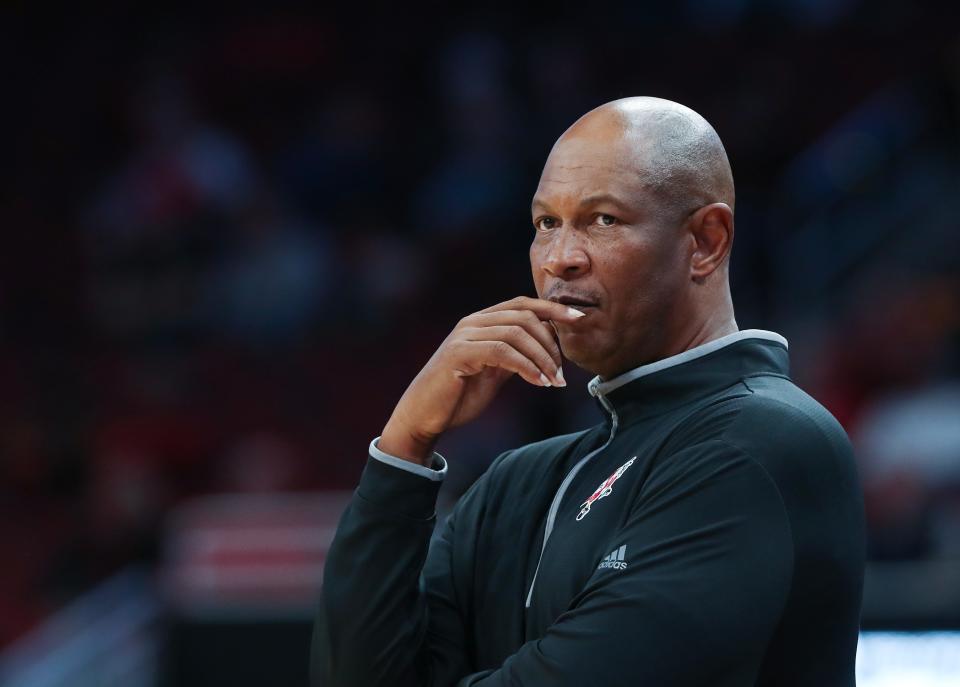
(231, 237)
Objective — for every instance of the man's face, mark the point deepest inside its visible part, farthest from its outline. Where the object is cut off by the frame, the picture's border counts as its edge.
(601, 246)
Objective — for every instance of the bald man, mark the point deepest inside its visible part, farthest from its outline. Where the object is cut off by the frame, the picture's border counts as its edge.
(709, 532)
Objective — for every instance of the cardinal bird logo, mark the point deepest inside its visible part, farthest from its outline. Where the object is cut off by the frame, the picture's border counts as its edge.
(603, 490)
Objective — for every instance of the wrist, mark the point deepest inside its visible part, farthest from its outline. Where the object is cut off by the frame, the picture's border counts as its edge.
(401, 443)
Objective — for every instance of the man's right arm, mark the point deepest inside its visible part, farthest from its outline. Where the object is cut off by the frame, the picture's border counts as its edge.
(381, 622)
(372, 622)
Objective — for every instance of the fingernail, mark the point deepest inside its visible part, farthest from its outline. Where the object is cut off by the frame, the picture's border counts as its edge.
(544, 380)
(573, 312)
(560, 379)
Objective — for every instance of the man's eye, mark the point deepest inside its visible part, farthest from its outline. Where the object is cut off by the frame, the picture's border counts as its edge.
(607, 220)
(545, 223)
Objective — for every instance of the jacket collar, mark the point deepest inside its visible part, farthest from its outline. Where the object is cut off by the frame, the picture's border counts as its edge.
(695, 373)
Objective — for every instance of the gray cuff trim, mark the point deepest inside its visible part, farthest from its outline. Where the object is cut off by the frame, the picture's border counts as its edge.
(437, 474)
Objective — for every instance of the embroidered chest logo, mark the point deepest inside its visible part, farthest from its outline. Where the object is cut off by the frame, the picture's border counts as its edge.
(603, 490)
(614, 559)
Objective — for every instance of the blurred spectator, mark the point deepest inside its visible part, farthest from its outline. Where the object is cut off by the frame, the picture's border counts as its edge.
(270, 284)
(909, 448)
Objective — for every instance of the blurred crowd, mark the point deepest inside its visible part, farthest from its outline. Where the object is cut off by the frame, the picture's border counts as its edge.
(229, 243)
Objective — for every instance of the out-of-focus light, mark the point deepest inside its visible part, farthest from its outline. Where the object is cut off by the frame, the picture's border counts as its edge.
(914, 659)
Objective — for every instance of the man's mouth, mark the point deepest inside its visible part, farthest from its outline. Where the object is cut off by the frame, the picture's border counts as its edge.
(575, 302)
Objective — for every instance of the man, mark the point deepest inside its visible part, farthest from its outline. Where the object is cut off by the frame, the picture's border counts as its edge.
(709, 532)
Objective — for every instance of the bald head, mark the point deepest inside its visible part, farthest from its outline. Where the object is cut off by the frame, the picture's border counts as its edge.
(674, 151)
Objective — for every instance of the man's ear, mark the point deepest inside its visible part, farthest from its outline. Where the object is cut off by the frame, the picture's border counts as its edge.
(711, 231)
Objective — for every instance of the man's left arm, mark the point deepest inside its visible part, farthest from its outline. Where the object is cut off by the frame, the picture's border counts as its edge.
(708, 560)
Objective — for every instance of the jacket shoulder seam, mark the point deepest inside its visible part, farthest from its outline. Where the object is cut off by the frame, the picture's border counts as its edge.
(809, 419)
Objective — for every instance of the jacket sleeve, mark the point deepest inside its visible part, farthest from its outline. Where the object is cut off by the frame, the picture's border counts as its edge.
(388, 611)
(708, 566)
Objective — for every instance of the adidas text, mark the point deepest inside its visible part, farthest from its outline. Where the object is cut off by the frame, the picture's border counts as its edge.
(614, 560)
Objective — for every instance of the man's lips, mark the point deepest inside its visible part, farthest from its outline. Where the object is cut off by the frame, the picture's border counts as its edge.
(584, 304)
(575, 302)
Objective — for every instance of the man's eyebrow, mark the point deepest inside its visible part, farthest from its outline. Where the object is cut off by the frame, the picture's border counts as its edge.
(589, 200)
(603, 198)
(538, 203)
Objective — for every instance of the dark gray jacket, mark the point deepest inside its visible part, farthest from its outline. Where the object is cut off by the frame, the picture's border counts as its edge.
(709, 532)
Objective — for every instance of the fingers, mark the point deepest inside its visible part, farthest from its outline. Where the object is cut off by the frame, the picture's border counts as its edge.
(480, 354)
(522, 341)
(517, 335)
(541, 331)
(545, 310)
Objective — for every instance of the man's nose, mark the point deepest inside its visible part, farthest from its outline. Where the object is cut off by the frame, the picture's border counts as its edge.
(566, 257)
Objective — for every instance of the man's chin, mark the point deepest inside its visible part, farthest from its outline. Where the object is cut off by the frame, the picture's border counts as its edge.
(580, 353)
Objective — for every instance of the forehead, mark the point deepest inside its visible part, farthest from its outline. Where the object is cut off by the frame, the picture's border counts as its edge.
(581, 167)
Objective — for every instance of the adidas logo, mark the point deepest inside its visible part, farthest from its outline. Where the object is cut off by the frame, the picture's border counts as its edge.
(614, 559)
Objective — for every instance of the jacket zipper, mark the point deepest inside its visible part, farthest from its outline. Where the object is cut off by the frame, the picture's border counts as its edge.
(565, 484)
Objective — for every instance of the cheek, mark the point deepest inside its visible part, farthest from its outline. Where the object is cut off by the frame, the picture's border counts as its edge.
(639, 277)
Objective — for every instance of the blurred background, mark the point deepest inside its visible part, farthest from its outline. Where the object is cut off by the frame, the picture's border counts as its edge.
(230, 239)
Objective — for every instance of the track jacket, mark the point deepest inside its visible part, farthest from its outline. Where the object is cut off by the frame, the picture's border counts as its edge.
(709, 532)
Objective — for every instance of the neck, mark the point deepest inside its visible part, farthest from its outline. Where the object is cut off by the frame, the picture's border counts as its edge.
(689, 372)
(708, 330)
(700, 331)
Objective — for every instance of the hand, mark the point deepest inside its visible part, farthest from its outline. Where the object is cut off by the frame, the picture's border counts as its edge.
(466, 372)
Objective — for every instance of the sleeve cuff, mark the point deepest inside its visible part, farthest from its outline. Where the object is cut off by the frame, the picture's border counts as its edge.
(436, 474)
